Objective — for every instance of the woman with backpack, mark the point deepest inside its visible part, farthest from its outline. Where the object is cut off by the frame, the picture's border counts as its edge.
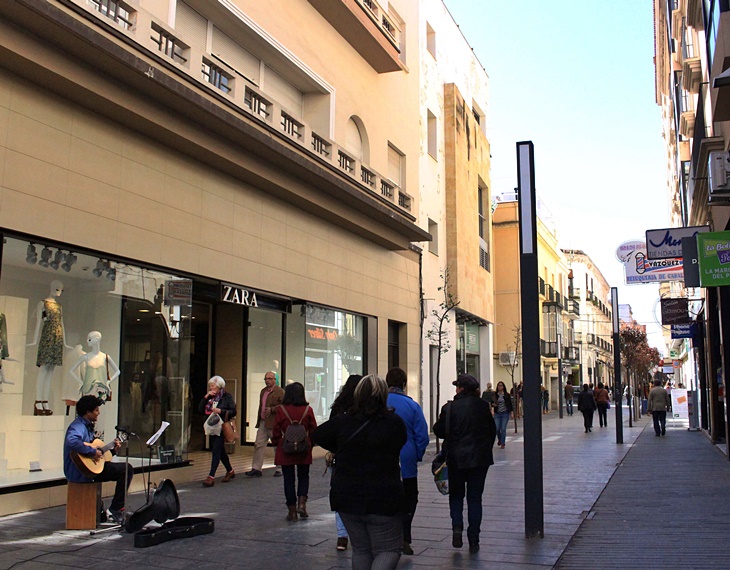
(294, 423)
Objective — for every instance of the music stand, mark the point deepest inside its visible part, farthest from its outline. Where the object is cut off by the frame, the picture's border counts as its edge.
(150, 442)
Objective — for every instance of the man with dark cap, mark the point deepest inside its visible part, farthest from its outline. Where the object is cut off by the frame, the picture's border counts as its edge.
(467, 427)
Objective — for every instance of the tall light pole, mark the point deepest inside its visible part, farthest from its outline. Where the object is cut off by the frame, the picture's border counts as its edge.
(560, 375)
(617, 368)
(530, 305)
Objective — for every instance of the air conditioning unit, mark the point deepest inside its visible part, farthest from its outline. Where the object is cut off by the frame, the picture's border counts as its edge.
(719, 173)
(507, 358)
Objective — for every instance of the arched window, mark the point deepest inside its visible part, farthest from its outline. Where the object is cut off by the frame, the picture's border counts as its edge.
(356, 140)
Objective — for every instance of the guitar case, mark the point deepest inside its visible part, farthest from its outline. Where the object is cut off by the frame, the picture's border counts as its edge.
(184, 527)
(165, 505)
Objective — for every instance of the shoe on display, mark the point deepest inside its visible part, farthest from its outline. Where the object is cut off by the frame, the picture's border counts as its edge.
(253, 473)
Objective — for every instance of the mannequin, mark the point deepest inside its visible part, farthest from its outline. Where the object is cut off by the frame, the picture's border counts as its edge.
(100, 370)
(50, 336)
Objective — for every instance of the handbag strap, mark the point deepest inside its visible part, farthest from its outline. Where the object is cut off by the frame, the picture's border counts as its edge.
(357, 431)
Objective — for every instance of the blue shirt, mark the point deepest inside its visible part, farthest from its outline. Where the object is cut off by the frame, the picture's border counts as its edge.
(416, 428)
(81, 430)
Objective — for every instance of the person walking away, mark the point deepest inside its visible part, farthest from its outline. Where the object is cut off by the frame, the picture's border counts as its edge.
(269, 400)
(412, 452)
(545, 399)
(468, 431)
(586, 406)
(294, 415)
(217, 402)
(658, 405)
(342, 405)
(602, 398)
(503, 412)
(366, 486)
(568, 393)
(488, 396)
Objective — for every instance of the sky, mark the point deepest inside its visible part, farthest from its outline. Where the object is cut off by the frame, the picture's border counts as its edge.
(577, 79)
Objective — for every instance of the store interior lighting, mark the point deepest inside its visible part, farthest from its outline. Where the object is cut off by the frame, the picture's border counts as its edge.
(111, 274)
(101, 266)
(58, 259)
(70, 260)
(32, 254)
(45, 257)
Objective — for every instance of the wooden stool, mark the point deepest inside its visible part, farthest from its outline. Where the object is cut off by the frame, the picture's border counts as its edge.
(82, 506)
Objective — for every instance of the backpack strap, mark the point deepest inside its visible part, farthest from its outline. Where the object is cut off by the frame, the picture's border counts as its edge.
(283, 409)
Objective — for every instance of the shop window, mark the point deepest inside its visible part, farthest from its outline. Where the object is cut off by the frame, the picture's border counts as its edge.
(334, 349)
(467, 358)
(62, 312)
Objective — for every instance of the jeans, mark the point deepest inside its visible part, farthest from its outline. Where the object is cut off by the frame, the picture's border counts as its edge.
(219, 454)
(376, 540)
(410, 487)
(263, 435)
(587, 418)
(469, 483)
(660, 422)
(302, 487)
(545, 405)
(501, 419)
(341, 530)
(115, 472)
(602, 414)
(569, 406)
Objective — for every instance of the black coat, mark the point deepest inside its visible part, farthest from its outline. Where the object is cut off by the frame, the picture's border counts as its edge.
(471, 432)
(226, 404)
(586, 402)
(367, 479)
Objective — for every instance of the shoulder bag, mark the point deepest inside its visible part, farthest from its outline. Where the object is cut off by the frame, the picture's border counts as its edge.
(329, 458)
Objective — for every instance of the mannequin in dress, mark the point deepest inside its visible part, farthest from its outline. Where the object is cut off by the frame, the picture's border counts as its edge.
(50, 336)
(99, 370)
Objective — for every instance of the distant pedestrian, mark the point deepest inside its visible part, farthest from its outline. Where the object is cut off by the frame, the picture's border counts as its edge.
(658, 405)
(294, 409)
(627, 394)
(342, 405)
(269, 401)
(366, 486)
(488, 396)
(503, 411)
(468, 431)
(602, 399)
(568, 393)
(545, 394)
(587, 406)
(412, 452)
(217, 402)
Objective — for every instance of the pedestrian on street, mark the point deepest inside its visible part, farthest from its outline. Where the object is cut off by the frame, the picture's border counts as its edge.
(568, 393)
(294, 409)
(545, 399)
(366, 486)
(412, 452)
(217, 402)
(503, 412)
(586, 406)
(269, 400)
(658, 405)
(342, 405)
(488, 396)
(468, 431)
(627, 394)
(602, 399)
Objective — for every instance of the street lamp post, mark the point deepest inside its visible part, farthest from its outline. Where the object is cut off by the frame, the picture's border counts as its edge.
(617, 368)
(560, 375)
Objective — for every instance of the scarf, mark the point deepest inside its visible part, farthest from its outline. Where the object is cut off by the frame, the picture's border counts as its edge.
(213, 403)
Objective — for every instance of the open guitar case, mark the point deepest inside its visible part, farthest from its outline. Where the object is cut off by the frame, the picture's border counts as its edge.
(164, 508)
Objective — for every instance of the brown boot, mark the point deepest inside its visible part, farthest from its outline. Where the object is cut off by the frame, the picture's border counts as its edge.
(302, 508)
(292, 516)
(209, 481)
(229, 475)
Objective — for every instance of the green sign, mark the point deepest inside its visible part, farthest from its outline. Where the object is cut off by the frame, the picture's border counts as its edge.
(714, 256)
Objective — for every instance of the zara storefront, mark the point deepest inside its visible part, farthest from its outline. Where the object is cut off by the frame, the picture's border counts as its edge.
(75, 322)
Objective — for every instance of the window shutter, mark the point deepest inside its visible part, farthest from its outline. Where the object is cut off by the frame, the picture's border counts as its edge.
(283, 92)
(191, 26)
(235, 56)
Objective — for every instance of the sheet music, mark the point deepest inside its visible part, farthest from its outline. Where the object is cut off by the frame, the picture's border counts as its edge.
(158, 433)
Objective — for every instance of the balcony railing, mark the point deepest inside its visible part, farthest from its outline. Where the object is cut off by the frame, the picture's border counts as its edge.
(380, 16)
(541, 285)
(548, 349)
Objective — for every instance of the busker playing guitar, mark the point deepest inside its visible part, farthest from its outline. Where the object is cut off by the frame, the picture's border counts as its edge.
(81, 433)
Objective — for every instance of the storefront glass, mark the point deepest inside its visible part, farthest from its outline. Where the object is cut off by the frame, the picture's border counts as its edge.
(73, 324)
(467, 359)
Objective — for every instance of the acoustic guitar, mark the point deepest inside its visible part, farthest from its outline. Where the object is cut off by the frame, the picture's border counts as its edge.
(87, 464)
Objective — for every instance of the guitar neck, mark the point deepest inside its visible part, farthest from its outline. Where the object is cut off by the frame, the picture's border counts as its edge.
(107, 447)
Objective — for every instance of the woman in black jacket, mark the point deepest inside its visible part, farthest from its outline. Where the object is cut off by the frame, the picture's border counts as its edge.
(468, 430)
(218, 401)
(366, 486)
(586, 406)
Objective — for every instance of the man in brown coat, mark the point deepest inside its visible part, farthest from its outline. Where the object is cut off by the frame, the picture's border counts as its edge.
(269, 400)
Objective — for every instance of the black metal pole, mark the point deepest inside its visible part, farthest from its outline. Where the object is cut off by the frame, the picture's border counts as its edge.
(531, 397)
(560, 375)
(617, 396)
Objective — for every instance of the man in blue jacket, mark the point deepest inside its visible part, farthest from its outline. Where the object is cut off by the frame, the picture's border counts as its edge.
(80, 432)
(412, 452)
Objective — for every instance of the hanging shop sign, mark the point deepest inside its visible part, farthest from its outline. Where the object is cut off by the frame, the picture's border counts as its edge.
(675, 311)
(687, 330)
(690, 262)
(178, 292)
(639, 269)
(714, 255)
(667, 243)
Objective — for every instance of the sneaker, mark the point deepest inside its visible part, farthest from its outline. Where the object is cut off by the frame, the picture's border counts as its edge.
(407, 550)
(277, 473)
(253, 473)
(341, 543)
(116, 515)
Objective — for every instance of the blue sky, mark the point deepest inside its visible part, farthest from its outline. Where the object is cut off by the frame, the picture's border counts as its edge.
(577, 79)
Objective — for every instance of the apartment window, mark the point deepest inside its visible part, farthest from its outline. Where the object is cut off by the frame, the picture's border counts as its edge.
(169, 44)
(396, 166)
(394, 333)
(430, 40)
(482, 207)
(240, 60)
(432, 135)
(117, 11)
(433, 229)
(217, 77)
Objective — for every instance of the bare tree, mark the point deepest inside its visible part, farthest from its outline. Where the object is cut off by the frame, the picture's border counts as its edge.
(512, 368)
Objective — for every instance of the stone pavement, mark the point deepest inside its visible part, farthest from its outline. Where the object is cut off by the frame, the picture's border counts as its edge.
(587, 509)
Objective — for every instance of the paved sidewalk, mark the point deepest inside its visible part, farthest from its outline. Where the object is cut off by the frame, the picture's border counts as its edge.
(251, 531)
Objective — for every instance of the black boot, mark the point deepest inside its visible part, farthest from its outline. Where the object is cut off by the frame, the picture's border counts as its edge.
(456, 539)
